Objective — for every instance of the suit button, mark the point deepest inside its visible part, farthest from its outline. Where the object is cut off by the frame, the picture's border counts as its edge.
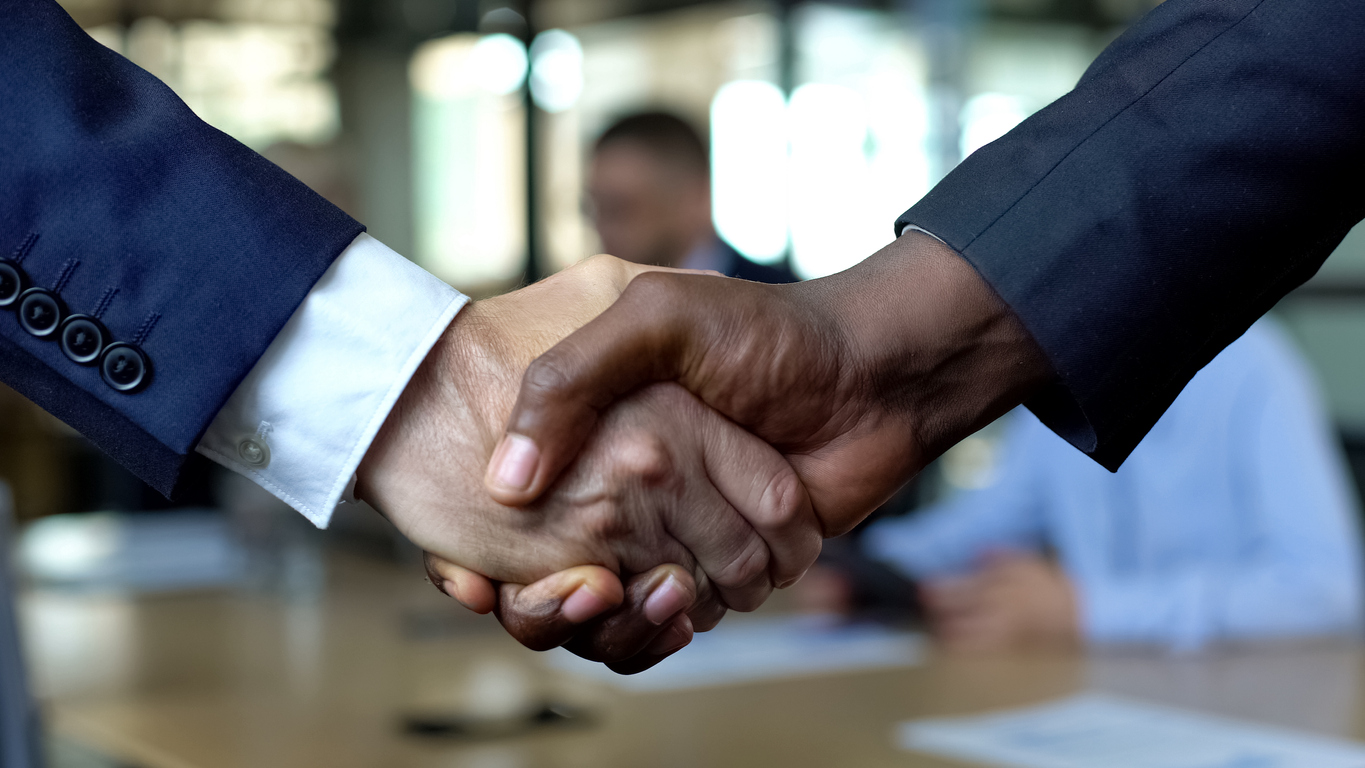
(13, 281)
(124, 367)
(82, 339)
(40, 312)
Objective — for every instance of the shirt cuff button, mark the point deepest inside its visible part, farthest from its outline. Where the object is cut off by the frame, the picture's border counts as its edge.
(253, 452)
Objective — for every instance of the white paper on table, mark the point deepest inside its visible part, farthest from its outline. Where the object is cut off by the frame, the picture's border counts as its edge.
(759, 649)
(1101, 731)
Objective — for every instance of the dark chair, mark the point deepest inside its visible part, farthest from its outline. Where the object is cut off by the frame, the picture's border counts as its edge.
(19, 731)
(1353, 441)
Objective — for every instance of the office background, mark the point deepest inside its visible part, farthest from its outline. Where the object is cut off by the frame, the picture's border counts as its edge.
(458, 131)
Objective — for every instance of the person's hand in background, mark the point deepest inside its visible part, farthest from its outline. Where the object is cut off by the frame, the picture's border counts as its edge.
(1015, 601)
(824, 591)
(859, 379)
(662, 481)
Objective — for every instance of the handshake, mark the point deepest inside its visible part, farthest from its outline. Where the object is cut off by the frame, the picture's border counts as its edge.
(657, 447)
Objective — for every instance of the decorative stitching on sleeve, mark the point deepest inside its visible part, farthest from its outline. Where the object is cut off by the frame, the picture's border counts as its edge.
(23, 248)
(105, 300)
(146, 329)
(68, 269)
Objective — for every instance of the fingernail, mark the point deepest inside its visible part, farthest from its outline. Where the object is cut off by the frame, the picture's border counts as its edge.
(514, 463)
(582, 605)
(665, 601)
(448, 587)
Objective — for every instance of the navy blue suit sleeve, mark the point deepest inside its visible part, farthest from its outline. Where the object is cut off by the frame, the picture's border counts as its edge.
(1205, 165)
(118, 198)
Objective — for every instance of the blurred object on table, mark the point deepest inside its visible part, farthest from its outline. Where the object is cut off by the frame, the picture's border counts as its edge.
(128, 551)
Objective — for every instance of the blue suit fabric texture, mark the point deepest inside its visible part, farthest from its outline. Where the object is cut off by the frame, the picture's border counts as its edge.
(132, 210)
(1206, 164)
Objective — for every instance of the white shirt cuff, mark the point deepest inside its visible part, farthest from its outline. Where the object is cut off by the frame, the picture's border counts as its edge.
(302, 420)
(912, 228)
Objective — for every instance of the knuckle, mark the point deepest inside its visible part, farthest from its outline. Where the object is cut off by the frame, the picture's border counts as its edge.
(645, 458)
(748, 566)
(652, 290)
(607, 522)
(547, 377)
(787, 513)
(784, 502)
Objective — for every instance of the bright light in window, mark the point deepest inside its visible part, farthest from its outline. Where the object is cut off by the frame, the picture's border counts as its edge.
(989, 116)
(469, 159)
(830, 179)
(461, 65)
(749, 168)
(556, 70)
(497, 63)
(69, 546)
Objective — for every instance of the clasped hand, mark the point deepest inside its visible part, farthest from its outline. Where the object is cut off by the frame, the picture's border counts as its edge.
(697, 436)
(695, 514)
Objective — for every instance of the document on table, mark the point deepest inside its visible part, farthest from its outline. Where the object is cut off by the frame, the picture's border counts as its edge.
(1095, 729)
(758, 649)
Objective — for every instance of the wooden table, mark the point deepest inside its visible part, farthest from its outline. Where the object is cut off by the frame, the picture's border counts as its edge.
(325, 678)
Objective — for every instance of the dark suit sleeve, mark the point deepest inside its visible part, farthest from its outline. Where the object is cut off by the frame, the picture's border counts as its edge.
(117, 198)
(1204, 166)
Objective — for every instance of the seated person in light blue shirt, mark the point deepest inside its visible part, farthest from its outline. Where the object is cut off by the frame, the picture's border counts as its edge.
(1233, 520)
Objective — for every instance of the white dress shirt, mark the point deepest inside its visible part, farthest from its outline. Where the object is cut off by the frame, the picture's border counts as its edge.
(305, 415)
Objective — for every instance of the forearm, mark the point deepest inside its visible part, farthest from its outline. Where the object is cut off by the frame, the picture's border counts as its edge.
(930, 340)
(1202, 168)
(128, 208)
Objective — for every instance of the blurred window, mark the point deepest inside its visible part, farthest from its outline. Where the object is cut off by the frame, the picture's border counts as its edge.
(255, 69)
(677, 61)
(858, 125)
(822, 175)
(556, 70)
(469, 150)
(749, 168)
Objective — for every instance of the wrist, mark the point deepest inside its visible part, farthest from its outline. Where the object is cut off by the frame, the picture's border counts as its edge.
(456, 395)
(933, 342)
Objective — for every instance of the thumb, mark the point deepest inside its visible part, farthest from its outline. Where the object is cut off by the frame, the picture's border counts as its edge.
(642, 338)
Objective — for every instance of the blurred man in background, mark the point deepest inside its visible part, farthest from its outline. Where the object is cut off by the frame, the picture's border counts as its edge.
(650, 191)
(1232, 520)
